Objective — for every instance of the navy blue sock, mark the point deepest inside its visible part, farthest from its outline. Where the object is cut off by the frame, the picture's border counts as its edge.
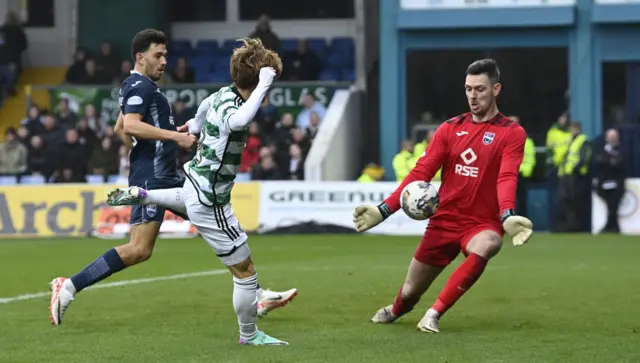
(98, 270)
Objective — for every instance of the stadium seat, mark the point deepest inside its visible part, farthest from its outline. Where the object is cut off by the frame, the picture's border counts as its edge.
(219, 77)
(206, 46)
(95, 179)
(243, 177)
(222, 64)
(182, 47)
(342, 43)
(318, 45)
(329, 75)
(201, 63)
(113, 179)
(337, 61)
(8, 180)
(202, 76)
(349, 75)
(289, 45)
(33, 180)
(230, 44)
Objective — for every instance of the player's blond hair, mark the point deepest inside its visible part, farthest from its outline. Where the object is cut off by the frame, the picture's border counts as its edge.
(247, 61)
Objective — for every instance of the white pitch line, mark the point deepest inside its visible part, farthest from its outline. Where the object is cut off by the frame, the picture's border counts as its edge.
(38, 295)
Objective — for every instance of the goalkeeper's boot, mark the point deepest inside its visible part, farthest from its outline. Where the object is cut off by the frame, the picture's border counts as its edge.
(271, 300)
(62, 292)
(262, 339)
(429, 323)
(384, 316)
(126, 196)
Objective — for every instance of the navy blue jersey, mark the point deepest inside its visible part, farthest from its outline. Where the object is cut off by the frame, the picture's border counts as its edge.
(153, 164)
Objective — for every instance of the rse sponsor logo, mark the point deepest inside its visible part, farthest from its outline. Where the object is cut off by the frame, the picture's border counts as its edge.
(468, 157)
(466, 170)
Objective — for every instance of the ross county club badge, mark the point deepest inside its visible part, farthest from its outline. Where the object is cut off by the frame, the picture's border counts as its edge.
(488, 138)
(151, 210)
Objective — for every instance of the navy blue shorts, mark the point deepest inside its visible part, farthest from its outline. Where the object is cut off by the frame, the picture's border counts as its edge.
(151, 213)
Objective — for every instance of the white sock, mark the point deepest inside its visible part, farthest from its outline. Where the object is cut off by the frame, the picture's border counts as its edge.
(259, 292)
(245, 303)
(168, 198)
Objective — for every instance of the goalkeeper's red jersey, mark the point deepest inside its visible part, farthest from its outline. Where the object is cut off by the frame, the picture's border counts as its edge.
(480, 163)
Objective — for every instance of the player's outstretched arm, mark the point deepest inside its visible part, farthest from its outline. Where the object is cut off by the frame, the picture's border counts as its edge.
(366, 217)
(519, 228)
(239, 118)
(134, 126)
(195, 125)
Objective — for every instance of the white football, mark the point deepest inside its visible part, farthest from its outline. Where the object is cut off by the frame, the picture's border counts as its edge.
(419, 200)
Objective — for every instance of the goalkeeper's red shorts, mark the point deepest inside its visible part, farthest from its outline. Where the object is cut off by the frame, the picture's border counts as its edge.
(442, 242)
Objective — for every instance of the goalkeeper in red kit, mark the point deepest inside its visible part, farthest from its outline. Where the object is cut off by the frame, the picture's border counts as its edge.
(480, 153)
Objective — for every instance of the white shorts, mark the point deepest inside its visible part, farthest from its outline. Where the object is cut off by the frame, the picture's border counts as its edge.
(218, 226)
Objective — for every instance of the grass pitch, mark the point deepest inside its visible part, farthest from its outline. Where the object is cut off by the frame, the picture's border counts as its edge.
(561, 298)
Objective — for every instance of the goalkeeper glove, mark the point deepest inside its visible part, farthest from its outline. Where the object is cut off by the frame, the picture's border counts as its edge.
(366, 217)
(518, 227)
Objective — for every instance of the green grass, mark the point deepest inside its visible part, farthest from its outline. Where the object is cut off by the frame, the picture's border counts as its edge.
(561, 298)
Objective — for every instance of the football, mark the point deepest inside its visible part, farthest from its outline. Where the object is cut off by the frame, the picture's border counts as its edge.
(419, 200)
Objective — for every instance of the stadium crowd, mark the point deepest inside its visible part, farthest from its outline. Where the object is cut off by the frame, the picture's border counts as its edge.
(64, 146)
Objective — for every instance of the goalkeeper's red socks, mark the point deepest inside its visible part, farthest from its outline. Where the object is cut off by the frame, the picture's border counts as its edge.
(403, 305)
(460, 281)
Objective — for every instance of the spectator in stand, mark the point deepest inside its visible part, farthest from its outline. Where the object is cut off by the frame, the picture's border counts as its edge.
(107, 62)
(183, 73)
(105, 159)
(66, 118)
(263, 30)
(251, 153)
(108, 132)
(76, 73)
(310, 105)
(68, 175)
(302, 64)
(125, 71)
(73, 156)
(282, 134)
(299, 137)
(314, 126)
(37, 158)
(267, 117)
(33, 121)
(296, 163)
(24, 136)
(16, 43)
(13, 155)
(180, 113)
(86, 137)
(92, 75)
(267, 170)
(94, 121)
(6, 71)
(51, 133)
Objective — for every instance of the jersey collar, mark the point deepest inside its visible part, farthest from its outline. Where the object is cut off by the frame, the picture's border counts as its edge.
(140, 74)
(234, 89)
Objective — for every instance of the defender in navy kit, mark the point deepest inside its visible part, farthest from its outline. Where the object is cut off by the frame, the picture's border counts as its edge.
(147, 128)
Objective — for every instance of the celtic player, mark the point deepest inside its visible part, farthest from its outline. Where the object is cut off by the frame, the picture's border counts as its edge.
(222, 120)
